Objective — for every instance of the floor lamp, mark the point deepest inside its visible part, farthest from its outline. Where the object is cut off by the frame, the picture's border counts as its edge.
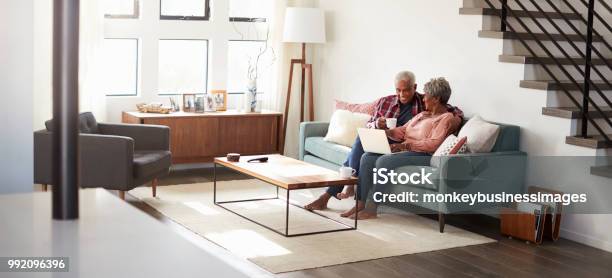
(302, 25)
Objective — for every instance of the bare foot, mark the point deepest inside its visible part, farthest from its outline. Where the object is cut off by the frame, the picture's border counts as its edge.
(364, 214)
(349, 192)
(360, 206)
(319, 204)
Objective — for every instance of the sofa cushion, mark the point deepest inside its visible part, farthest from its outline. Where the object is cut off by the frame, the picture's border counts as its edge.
(331, 152)
(150, 163)
(320, 162)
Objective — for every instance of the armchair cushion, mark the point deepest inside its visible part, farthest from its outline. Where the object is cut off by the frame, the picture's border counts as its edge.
(87, 123)
(150, 163)
(146, 137)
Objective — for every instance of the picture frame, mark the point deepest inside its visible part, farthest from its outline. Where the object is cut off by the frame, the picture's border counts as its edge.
(200, 104)
(189, 101)
(220, 99)
(209, 103)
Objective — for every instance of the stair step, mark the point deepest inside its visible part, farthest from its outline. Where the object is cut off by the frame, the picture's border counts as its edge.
(527, 36)
(574, 112)
(530, 60)
(593, 142)
(517, 13)
(602, 171)
(553, 86)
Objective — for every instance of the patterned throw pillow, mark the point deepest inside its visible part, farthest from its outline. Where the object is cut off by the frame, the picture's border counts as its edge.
(365, 108)
(452, 145)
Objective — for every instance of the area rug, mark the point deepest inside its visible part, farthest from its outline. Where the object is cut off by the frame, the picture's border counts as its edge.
(392, 234)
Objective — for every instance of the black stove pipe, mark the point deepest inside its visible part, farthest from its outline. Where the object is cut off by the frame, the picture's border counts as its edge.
(65, 200)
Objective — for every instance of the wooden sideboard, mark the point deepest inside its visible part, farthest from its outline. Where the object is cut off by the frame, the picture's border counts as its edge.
(196, 137)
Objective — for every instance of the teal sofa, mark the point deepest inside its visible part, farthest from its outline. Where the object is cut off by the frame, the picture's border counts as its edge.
(501, 170)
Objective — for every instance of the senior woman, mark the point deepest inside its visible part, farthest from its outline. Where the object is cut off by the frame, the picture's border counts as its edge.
(421, 136)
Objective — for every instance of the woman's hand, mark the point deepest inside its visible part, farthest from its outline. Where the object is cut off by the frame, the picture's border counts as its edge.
(400, 147)
(395, 148)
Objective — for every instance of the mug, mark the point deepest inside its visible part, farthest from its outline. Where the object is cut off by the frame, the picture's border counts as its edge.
(391, 123)
(346, 172)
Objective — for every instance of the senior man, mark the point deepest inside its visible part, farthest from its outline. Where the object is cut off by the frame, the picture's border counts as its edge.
(403, 105)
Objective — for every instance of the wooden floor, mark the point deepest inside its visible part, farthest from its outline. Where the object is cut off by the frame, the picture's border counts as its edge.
(505, 258)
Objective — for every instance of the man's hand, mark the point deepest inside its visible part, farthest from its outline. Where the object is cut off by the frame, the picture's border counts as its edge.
(381, 123)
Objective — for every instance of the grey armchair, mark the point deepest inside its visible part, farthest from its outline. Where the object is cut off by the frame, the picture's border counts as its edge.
(112, 156)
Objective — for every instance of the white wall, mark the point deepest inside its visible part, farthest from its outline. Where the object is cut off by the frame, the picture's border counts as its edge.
(43, 57)
(369, 41)
(16, 75)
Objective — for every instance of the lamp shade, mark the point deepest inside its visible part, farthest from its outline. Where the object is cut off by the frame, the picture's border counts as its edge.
(304, 25)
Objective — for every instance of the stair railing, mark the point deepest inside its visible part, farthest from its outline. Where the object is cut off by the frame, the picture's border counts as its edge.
(588, 84)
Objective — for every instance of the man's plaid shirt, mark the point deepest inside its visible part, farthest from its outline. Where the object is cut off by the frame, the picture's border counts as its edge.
(389, 107)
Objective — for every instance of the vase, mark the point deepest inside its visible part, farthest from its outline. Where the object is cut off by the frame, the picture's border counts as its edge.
(251, 99)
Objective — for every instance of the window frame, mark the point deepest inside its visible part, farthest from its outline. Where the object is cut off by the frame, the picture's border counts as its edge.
(159, 93)
(136, 14)
(228, 42)
(137, 88)
(248, 19)
(206, 16)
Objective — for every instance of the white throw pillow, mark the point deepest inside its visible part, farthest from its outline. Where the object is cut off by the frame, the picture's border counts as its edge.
(481, 135)
(343, 127)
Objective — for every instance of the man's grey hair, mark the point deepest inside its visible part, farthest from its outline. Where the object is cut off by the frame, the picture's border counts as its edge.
(407, 76)
(439, 88)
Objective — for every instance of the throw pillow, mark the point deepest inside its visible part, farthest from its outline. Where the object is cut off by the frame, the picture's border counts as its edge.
(451, 145)
(365, 108)
(481, 135)
(343, 127)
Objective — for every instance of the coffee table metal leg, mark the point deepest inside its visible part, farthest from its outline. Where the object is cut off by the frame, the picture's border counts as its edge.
(215, 183)
(356, 210)
(287, 214)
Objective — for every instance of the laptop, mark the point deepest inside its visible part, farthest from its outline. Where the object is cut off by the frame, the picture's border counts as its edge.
(374, 140)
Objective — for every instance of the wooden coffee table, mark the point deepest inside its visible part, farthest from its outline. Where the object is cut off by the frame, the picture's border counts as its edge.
(289, 174)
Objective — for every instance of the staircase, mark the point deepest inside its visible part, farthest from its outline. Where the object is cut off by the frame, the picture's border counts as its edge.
(566, 48)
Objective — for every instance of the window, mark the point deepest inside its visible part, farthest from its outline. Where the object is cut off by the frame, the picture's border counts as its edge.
(249, 10)
(243, 53)
(183, 66)
(121, 9)
(121, 67)
(185, 9)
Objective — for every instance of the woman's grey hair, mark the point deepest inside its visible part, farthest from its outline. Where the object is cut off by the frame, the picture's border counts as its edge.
(439, 88)
(407, 76)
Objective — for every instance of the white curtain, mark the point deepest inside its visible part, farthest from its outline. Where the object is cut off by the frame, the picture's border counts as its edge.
(272, 100)
(91, 95)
